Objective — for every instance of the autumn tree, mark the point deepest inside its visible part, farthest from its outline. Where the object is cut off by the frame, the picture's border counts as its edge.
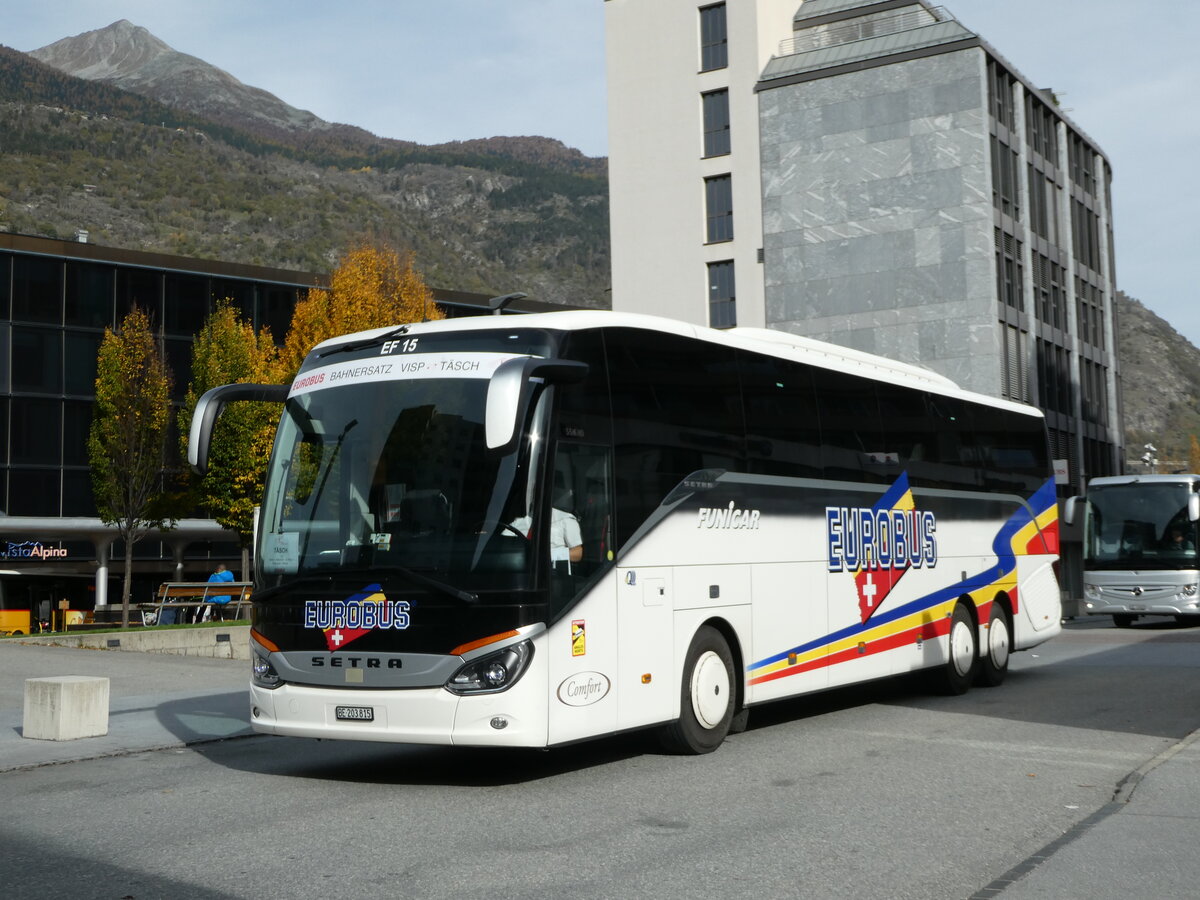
(229, 351)
(1194, 455)
(128, 438)
(372, 287)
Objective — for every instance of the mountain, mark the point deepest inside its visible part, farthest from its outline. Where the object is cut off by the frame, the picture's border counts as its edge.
(1160, 384)
(131, 58)
(271, 185)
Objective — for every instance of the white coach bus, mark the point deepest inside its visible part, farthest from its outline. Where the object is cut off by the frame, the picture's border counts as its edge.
(533, 530)
(1139, 547)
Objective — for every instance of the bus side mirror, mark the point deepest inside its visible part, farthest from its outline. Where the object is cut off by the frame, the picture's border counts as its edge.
(1194, 508)
(511, 388)
(209, 407)
(1068, 515)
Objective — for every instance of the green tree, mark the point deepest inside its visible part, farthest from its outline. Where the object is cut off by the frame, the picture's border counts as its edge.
(228, 351)
(372, 287)
(128, 438)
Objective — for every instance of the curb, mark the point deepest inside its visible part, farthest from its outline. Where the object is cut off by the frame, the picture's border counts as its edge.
(215, 643)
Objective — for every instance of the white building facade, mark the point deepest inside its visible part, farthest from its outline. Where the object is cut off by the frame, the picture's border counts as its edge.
(685, 189)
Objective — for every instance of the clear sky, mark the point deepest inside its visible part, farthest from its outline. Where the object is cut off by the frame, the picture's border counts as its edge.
(440, 70)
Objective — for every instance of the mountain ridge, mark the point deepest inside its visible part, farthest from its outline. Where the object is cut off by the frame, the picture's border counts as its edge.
(130, 57)
(486, 215)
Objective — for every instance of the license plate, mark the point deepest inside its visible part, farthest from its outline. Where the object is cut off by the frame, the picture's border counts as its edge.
(355, 713)
(1137, 605)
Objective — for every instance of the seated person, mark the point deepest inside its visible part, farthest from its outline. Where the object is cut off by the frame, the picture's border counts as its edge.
(1177, 538)
(566, 539)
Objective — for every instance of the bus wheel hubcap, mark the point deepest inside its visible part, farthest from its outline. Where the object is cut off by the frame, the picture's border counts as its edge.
(710, 690)
(962, 647)
(998, 643)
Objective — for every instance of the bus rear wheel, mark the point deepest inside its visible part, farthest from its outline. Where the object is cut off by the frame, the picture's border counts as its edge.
(993, 665)
(706, 696)
(955, 675)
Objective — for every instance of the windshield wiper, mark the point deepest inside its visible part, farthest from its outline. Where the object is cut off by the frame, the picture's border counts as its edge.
(363, 344)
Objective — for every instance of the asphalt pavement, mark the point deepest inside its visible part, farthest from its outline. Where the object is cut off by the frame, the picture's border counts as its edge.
(163, 701)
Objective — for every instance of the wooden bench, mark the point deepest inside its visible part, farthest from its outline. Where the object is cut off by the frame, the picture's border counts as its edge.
(194, 595)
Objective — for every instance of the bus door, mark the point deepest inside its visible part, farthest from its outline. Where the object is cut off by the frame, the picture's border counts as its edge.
(583, 638)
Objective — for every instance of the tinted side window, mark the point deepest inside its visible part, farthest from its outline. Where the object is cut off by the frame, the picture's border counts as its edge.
(782, 434)
(583, 408)
(953, 462)
(676, 410)
(853, 444)
(1011, 450)
(908, 437)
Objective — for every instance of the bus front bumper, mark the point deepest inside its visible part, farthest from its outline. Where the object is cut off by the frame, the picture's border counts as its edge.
(414, 716)
(1109, 602)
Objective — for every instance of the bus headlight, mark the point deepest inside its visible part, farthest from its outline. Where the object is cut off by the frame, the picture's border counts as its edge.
(1189, 590)
(262, 673)
(1091, 591)
(492, 673)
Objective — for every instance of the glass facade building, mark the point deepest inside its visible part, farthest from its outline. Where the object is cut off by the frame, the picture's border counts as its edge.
(56, 300)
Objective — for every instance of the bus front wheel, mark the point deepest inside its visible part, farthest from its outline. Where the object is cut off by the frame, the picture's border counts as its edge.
(706, 696)
(1123, 620)
(993, 665)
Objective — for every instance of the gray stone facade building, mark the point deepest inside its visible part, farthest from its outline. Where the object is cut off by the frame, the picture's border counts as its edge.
(923, 201)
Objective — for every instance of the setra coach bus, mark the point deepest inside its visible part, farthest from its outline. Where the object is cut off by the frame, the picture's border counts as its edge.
(532, 530)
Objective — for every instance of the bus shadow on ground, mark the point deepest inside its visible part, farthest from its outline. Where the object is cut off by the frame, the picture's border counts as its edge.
(366, 762)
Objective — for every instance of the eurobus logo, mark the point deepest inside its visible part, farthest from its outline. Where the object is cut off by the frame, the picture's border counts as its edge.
(343, 621)
(877, 545)
(32, 550)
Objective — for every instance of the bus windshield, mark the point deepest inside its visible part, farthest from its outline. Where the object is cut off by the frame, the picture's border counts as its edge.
(394, 475)
(1140, 526)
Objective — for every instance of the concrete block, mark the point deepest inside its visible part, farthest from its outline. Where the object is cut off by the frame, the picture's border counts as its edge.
(65, 707)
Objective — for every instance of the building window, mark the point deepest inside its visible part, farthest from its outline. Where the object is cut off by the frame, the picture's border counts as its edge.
(1085, 227)
(141, 288)
(718, 199)
(1048, 281)
(1041, 130)
(714, 38)
(36, 431)
(1004, 179)
(89, 295)
(1000, 88)
(722, 298)
(79, 362)
(1016, 384)
(716, 123)
(1054, 379)
(1010, 272)
(33, 492)
(1082, 161)
(37, 360)
(187, 304)
(37, 290)
(5, 283)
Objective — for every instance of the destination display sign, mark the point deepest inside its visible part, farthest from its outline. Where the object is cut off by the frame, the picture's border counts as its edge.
(399, 368)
